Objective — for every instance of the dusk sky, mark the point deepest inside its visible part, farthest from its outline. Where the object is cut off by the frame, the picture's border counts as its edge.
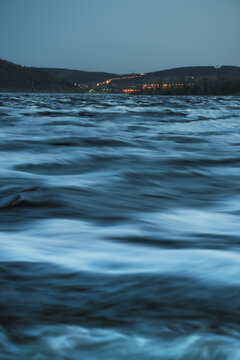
(120, 36)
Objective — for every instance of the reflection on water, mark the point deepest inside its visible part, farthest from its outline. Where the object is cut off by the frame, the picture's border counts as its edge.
(119, 227)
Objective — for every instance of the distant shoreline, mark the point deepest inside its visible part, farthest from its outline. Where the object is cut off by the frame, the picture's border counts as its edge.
(185, 81)
(40, 91)
(106, 93)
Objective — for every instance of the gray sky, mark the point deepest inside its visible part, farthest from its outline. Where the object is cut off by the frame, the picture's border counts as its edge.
(120, 35)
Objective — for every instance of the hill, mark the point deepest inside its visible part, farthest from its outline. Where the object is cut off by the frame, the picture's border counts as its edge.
(78, 76)
(21, 78)
(85, 77)
(196, 71)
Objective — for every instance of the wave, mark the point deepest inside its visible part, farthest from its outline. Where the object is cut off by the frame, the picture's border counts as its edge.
(74, 342)
(119, 227)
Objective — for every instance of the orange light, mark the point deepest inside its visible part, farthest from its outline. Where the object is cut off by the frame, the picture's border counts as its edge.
(129, 91)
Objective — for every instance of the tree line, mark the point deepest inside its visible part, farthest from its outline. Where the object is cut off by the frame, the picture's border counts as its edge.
(203, 86)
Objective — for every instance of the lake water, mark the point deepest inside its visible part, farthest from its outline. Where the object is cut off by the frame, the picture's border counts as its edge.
(119, 227)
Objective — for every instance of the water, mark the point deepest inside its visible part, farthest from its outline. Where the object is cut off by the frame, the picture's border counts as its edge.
(119, 227)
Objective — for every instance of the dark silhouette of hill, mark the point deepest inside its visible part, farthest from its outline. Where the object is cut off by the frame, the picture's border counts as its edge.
(196, 71)
(21, 78)
(78, 76)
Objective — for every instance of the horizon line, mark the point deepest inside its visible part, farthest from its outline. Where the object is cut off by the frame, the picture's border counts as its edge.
(116, 73)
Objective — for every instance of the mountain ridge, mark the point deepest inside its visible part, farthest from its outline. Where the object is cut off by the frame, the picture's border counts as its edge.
(15, 77)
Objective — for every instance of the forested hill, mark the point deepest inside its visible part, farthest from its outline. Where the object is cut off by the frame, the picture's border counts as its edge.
(197, 71)
(21, 78)
(78, 76)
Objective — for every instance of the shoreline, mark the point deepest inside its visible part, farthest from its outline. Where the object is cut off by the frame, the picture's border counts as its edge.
(5, 91)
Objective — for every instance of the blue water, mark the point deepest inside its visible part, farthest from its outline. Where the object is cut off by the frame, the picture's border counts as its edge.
(119, 227)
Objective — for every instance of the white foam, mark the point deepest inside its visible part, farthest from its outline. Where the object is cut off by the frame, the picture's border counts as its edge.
(81, 246)
(74, 342)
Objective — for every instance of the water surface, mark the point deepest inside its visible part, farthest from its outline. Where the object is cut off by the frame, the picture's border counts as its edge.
(119, 227)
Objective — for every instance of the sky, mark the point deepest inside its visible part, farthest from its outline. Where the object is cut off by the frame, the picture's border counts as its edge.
(120, 36)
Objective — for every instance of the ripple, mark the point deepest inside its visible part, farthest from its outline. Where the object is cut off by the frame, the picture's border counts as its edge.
(119, 227)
